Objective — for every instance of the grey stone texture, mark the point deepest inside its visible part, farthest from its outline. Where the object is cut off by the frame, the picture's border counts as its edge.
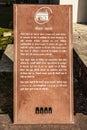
(6, 64)
(80, 124)
(80, 41)
(80, 54)
(9, 52)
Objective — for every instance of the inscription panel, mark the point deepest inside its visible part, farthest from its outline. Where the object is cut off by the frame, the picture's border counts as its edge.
(42, 67)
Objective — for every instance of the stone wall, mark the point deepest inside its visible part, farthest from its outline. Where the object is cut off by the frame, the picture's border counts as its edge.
(80, 72)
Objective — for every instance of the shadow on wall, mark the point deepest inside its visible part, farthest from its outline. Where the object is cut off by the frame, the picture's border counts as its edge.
(48, 1)
(6, 93)
(6, 16)
(82, 11)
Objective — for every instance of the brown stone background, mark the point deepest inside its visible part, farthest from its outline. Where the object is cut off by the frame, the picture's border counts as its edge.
(60, 99)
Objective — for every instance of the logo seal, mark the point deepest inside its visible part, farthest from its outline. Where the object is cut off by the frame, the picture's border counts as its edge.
(43, 15)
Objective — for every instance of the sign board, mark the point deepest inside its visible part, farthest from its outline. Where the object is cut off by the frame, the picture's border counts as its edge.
(43, 91)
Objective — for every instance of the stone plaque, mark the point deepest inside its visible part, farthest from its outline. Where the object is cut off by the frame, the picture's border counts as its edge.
(43, 91)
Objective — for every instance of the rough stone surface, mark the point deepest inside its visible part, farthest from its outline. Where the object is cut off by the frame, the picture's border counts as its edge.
(80, 54)
(80, 41)
(4, 121)
(6, 64)
(82, 121)
(9, 52)
(80, 124)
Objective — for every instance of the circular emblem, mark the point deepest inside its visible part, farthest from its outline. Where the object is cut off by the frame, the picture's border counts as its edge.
(43, 15)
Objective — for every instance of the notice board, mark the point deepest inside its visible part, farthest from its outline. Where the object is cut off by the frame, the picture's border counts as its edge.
(43, 89)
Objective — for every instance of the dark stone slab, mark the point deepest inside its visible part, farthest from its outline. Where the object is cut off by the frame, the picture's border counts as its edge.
(1, 53)
(80, 71)
(6, 65)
